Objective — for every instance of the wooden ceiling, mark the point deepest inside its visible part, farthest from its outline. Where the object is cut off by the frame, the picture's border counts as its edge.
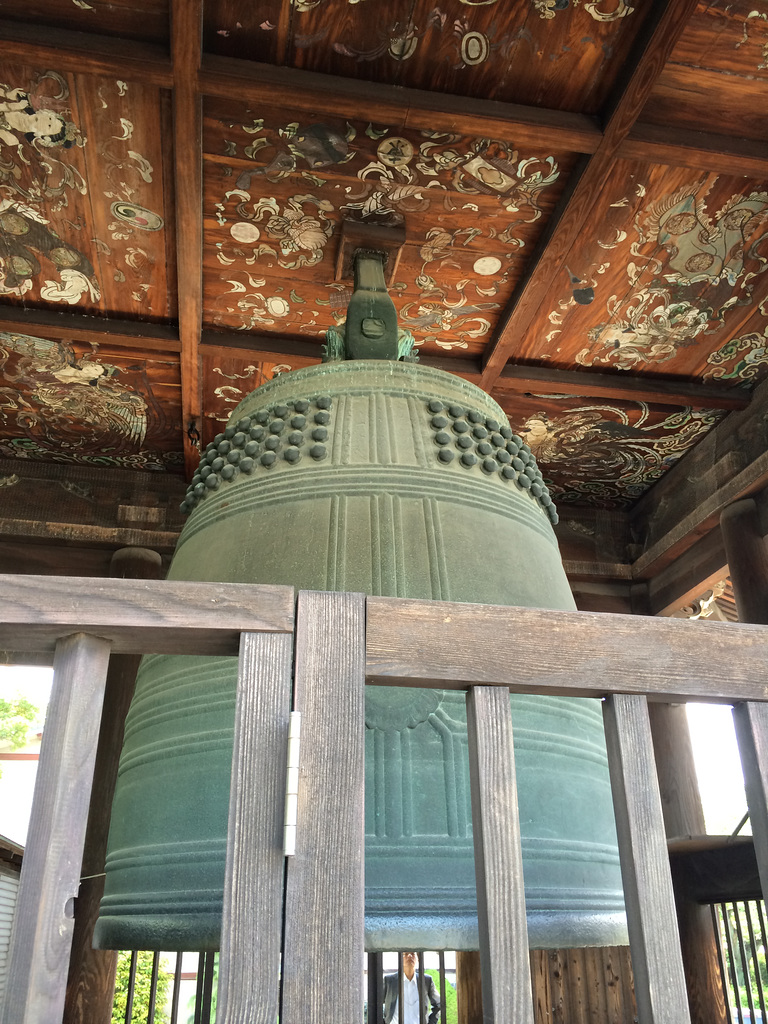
(583, 186)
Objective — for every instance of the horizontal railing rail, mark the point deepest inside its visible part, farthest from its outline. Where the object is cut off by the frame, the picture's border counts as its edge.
(283, 916)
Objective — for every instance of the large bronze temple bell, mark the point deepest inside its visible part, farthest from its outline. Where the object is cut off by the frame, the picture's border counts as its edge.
(368, 473)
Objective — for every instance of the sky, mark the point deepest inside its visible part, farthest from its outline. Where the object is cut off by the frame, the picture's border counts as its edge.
(712, 735)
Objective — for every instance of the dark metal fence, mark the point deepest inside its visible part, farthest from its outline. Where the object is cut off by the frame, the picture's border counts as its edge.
(160, 1003)
(376, 975)
(740, 928)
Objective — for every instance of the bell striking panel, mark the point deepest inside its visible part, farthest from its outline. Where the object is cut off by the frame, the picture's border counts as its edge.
(393, 479)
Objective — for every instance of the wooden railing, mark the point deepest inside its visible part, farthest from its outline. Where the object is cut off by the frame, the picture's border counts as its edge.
(292, 944)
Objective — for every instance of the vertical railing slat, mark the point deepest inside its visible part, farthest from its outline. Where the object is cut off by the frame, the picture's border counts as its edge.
(324, 881)
(249, 963)
(43, 924)
(653, 935)
(751, 722)
(504, 964)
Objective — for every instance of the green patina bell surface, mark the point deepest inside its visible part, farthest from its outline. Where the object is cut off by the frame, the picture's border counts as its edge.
(393, 479)
(389, 478)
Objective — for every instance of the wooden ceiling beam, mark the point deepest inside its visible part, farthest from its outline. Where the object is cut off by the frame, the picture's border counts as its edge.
(729, 463)
(311, 92)
(84, 53)
(224, 77)
(93, 330)
(540, 380)
(704, 151)
(664, 25)
(186, 49)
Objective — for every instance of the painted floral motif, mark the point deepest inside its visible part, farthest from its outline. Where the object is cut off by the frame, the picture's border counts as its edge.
(689, 268)
(743, 359)
(56, 403)
(365, 172)
(606, 455)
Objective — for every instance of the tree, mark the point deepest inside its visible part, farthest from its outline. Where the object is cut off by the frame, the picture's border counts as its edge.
(15, 718)
(141, 990)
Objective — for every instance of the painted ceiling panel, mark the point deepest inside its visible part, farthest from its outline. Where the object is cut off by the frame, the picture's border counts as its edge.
(229, 379)
(254, 31)
(726, 35)
(278, 190)
(675, 268)
(604, 454)
(82, 206)
(69, 402)
(547, 52)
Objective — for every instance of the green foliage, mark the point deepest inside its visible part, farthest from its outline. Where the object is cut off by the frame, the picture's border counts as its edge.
(15, 718)
(141, 990)
(451, 1010)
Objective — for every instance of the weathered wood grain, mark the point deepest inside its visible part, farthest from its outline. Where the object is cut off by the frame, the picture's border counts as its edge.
(324, 881)
(249, 962)
(588, 654)
(684, 580)
(730, 462)
(651, 920)
(684, 816)
(43, 923)
(151, 616)
(747, 555)
(502, 923)
(469, 992)
(751, 721)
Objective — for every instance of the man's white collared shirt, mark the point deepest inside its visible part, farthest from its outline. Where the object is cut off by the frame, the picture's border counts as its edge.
(410, 1002)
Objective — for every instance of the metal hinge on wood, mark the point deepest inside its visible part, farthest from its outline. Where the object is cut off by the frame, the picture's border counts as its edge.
(292, 784)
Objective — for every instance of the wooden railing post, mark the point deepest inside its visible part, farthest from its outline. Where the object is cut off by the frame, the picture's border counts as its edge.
(249, 962)
(43, 922)
(323, 938)
(505, 968)
(751, 721)
(91, 980)
(652, 923)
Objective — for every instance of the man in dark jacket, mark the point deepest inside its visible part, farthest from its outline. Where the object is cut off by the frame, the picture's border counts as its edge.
(411, 986)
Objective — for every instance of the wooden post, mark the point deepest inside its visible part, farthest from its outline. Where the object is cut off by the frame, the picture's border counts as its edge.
(91, 981)
(653, 935)
(323, 937)
(503, 927)
(751, 721)
(747, 556)
(43, 925)
(469, 994)
(249, 963)
(683, 816)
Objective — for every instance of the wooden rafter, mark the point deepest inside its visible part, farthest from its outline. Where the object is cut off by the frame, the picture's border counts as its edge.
(94, 330)
(664, 27)
(512, 380)
(85, 53)
(186, 46)
(226, 77)
(731, 462)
